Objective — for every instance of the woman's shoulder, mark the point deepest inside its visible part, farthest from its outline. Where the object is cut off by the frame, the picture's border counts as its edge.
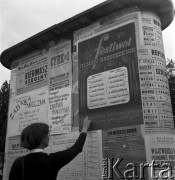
(30, 157)
(18, 161)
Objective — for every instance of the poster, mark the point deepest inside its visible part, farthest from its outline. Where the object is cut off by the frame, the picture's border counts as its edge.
(60, 111)
(160, 152)
(13, 82)
(32, 73)
(14, 68)
(26, 109)
(109, 89)
(156, 102)
(13, 151)
(79, 35)
(75, 92)
(86, 32)
(151, 28)
(124, 146)
(60, 66)
(87, 165)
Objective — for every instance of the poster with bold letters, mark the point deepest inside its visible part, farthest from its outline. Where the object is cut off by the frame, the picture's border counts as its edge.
(26, 109)
(156, 100)
(60, 111)
(160, 152)
(60, 66)
(109, 89)
(31, 74)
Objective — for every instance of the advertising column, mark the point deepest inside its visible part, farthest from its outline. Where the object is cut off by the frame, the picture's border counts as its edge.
(156, 102)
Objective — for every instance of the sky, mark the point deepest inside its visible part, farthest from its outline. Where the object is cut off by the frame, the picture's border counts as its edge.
(21, 19)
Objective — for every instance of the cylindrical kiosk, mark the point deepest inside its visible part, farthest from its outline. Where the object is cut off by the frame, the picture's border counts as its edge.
(107, 63)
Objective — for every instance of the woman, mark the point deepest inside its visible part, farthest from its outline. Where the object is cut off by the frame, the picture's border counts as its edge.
(38, 165)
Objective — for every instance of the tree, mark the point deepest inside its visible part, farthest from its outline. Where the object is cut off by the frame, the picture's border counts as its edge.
(4, 101)
(171, 78)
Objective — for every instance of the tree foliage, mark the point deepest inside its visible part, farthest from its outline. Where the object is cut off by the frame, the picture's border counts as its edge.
(171, 78)
(4, 101)
(172, 92)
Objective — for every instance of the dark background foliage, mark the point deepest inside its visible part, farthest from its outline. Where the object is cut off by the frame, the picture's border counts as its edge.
(171, 79)
(4, 101)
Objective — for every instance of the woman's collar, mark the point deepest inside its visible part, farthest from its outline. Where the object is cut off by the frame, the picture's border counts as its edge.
(36, 150)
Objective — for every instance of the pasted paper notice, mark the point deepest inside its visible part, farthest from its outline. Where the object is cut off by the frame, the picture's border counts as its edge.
(160, 148)
(108, 88)
(27, 109)
(60, 110)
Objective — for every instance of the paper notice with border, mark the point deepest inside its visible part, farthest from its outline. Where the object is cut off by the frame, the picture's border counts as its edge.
(108, 88)
(161, 149)
(32, 73)
(27, 109)
(60, 111)
(60, 66)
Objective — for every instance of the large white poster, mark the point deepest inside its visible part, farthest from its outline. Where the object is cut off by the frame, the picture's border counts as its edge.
(32, 73)
(152, 33)
(60, 111)
(160, 152)
(108, 88)
(26, 109)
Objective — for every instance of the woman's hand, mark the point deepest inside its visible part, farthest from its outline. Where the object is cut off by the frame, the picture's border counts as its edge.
(86, 124)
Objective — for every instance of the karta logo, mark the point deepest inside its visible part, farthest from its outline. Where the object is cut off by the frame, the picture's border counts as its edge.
(112, 168)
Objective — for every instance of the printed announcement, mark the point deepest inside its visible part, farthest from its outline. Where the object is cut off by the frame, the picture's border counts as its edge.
(161, 149)
(60, 66)
(109, 89)
(60, 110)
(31, 74)
(26, 109)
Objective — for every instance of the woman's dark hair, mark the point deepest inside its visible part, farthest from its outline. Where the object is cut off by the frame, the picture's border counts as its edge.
(33, 135)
